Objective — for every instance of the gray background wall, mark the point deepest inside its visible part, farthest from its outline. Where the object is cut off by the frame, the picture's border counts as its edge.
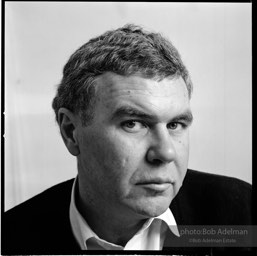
(213, 39)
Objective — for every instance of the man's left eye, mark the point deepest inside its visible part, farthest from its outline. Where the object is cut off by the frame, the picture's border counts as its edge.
(132, 126)
(175, 126)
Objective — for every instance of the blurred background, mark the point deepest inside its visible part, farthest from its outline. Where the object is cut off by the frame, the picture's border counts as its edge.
(214, 40)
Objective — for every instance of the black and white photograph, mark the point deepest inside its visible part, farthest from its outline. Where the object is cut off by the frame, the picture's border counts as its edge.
(127, 126)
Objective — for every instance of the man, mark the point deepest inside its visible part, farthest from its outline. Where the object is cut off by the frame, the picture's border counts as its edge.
(123, 108)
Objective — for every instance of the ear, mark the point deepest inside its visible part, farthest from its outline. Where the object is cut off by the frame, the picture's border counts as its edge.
(68, 123)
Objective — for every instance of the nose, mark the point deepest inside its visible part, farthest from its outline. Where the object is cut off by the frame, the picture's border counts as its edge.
(162, 149)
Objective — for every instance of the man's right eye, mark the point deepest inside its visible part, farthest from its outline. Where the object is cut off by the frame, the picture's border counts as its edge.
(133, 126)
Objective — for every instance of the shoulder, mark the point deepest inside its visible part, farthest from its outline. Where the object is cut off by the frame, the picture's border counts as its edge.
(46, 201)
(40, 221)
(213, 183)
(213, 199)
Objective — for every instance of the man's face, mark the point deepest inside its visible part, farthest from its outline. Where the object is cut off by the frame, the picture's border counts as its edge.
(133, 157)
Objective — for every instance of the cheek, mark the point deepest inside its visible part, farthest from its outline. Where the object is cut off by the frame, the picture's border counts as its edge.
(182, 148)
(121, 148)
(114, 155)
(125, 161)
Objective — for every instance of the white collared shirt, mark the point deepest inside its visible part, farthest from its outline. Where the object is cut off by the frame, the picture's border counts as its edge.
(150, 237)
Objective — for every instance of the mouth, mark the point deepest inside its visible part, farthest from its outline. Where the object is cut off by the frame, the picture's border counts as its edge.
(156, 185)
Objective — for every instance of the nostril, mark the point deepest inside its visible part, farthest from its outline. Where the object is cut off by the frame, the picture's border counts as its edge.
(156, 162)
(160, 155)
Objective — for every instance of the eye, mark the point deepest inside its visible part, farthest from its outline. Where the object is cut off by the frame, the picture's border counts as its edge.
(133, 126)
(176, 126)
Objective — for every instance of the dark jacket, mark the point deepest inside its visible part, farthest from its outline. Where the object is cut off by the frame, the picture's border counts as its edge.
(41, 225)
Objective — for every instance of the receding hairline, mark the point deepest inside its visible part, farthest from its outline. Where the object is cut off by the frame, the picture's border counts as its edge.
(107, 79)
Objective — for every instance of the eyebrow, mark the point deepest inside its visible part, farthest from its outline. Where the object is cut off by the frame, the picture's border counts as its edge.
(186, 117)
(130, 111)
(134, 112)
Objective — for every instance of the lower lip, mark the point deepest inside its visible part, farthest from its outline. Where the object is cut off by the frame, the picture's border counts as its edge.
(156, 186)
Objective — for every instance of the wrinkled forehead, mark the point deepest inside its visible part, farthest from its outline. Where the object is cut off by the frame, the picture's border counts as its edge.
(111, 84)
(163, 99)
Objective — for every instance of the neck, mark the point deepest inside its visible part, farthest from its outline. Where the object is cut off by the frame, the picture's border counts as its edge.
(113, 227)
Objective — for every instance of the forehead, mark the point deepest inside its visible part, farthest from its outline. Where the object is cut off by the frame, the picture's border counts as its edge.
(165, 95)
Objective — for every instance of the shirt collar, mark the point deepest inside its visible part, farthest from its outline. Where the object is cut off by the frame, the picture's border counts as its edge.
(83, 232)
(80, 228)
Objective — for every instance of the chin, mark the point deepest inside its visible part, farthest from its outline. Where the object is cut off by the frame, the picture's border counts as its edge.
(153, 209)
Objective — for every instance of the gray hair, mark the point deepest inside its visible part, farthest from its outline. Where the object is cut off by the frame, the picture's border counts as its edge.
(126, 51)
